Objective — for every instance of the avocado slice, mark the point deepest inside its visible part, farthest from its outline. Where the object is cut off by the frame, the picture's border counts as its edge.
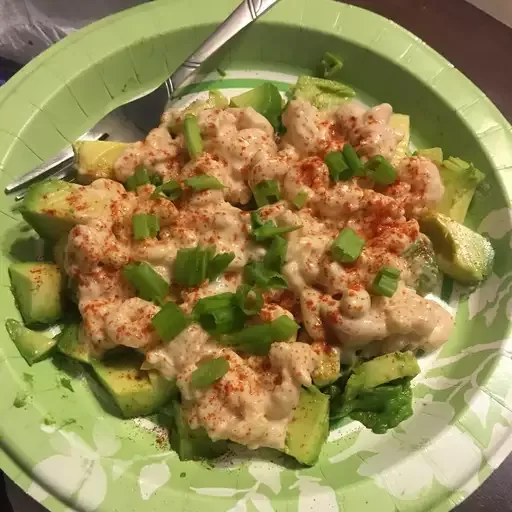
(380, 408)
(265, 99)
(53, 207)
(328, 366)
(37, 288)
(460, 180)
(136, 392)
(401, 123)
(421, 259)
(188, 443)
(70, 344)
(434, 154)
(33, 346)
(309, 427)
(381, 370)
(95, 159)
(461, 253)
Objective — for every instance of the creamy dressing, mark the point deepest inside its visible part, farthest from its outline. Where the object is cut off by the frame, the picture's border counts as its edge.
(253, 402)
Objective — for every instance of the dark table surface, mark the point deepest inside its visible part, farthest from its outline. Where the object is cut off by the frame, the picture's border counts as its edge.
(479, 46)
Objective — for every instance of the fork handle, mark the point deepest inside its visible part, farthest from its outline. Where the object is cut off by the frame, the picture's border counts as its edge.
(247, 12)
(49, 166)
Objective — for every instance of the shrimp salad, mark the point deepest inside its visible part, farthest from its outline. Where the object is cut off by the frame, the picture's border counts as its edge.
(249, 252)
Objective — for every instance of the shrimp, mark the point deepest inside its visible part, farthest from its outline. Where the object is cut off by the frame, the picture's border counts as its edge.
(419, 185)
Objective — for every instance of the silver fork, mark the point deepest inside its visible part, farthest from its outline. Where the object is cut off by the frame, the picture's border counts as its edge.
(124, 123)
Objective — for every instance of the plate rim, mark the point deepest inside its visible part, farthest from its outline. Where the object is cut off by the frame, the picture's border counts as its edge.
(490, 141)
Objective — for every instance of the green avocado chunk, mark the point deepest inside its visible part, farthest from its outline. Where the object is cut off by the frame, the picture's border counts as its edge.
(37, 288)
(309, 427)
(461, 253)
(265, 99)
(95, 159)
(460, 180)
(70, 344)
(136, 392)
(53, 207)
(188, 443)
(381, 370)
(33, 346)
(379, 408)
(328, 367)
(424, 271)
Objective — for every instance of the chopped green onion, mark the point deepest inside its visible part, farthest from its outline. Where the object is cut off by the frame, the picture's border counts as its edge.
(156, 180)
(256, 273)
(149, 284)
(275, 256)
(382, 172)
(219, 264)
(353, 161)
(190, 266)
(208, 304)
(192, 136)
(283, 328)
(270, 230)
(329, 65)
(169, 321)
(300, 199)
(386, 281)
(266, 192)
(338, 167)
(347, 246)
(222, 321)
(209, 372)
(219, 314)
(256, 221)
(170, 190)
(255, 339)
(203, 182)
(249, 299)
(138, 178)
(145, 226)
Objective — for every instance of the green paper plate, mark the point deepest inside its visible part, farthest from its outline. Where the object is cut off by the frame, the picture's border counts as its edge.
(61, 445)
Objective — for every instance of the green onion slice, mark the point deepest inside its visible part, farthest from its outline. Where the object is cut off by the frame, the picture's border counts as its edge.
(338, 166)
(150, 285)
(145, 226)
(169, 321)
(218, 264)
(270, 230)
(219, 314)
(382, 172)
(138, 178)
(353, 161)
(329, 65)
(386, 281)
(192, 136)
(347, 246)
(275, 256)
(256, 273)
(300, 199)
(266, 192)
(209, 372)
(203, 182)
(257, 339)
(249, 299)
(283, 328)
(169, 190)
(191, 266)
